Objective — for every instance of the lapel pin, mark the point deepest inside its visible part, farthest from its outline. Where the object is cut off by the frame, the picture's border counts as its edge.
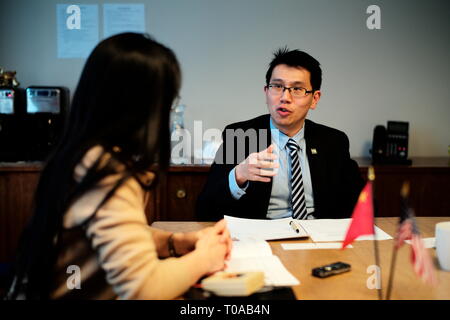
(314, 151)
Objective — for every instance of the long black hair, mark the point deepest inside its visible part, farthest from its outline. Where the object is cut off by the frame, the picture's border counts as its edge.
(122, 103)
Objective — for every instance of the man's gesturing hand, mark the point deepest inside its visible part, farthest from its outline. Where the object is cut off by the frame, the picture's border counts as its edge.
(259, 166)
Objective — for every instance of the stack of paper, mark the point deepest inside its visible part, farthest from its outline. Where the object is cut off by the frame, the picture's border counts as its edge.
(319, 230)
(256, 255)
(329, 230)
(313, 246)
(241, 228)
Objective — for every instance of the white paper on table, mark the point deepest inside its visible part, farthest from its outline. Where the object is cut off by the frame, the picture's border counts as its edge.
(256, 255)
(313, 246)
(241, 228)
(250, 248)
(328, 230)
(275, 273)
(427, 242)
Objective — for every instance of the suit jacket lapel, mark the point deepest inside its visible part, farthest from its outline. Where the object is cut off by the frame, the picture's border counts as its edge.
(317, 164)
(263, 189)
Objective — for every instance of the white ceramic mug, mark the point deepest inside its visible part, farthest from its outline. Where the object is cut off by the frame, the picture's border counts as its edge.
(443, 244)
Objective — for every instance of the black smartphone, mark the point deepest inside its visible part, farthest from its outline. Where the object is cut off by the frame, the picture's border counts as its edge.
(331, 269)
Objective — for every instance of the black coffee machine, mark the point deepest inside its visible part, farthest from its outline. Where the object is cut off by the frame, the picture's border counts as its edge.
(31, 121)
(46, 109)
(12, 110)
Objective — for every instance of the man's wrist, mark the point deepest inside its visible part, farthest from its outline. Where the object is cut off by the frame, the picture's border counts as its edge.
(239, 180)
(236, 191)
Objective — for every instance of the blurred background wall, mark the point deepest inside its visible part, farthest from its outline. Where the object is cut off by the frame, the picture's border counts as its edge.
(399, 72)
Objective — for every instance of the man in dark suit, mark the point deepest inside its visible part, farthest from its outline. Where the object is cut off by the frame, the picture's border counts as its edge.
(281, 164)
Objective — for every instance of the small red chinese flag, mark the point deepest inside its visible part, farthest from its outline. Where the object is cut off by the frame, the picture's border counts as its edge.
(362, 217)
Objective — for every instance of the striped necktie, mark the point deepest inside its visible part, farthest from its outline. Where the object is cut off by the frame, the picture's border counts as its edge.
(297, 191)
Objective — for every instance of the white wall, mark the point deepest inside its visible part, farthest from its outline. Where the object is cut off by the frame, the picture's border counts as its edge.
(400, 72)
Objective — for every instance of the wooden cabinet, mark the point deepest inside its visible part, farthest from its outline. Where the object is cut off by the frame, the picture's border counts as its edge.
(17, 185)
(174, 198)
(176, 194)
(429, 180)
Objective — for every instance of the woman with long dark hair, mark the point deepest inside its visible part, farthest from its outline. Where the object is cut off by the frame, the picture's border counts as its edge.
(89, 220)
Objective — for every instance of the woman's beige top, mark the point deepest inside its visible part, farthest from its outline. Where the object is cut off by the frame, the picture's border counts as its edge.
(113, 249)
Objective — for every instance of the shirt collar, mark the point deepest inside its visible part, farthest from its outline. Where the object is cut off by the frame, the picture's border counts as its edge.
(280, 139)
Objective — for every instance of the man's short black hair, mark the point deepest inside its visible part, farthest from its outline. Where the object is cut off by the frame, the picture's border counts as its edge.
(297, 58)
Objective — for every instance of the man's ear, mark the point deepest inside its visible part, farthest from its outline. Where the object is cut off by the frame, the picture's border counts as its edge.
(316, 97)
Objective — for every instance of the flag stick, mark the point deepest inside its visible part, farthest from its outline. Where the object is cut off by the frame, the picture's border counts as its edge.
(404, 193)
(391, 272)
(371, 177)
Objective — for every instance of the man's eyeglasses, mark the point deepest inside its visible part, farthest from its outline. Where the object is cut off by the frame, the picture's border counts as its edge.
(297, 92)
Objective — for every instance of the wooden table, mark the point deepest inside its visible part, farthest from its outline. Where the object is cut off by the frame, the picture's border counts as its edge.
(353, 285)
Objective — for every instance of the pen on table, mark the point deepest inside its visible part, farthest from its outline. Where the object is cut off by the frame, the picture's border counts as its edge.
(294, 226)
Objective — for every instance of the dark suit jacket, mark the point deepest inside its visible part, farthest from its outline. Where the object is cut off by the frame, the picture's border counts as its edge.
(336, 179)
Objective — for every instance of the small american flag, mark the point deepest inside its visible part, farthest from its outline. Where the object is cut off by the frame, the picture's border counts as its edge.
(408, 230)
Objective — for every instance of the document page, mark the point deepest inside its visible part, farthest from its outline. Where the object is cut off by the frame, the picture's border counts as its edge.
(328, 230)
(275, 273)
(313, 246)
(241, 228)
(250, 248)
(427, 242)
(256, 255)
